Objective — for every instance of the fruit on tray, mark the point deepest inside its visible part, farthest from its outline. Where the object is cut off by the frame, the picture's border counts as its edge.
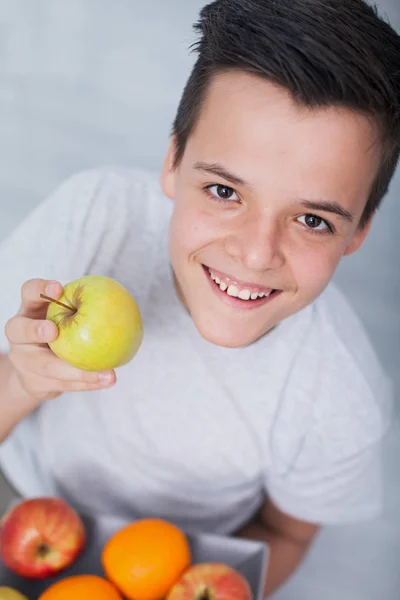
(7, 593)
(81, 587)
(99, 323)
(40, 537)
(210, 581)
(146, 558)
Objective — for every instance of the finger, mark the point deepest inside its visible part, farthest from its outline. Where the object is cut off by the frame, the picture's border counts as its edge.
(22, 330)
(31, 302)
(80, 386)
(50, 366)
(51, 388)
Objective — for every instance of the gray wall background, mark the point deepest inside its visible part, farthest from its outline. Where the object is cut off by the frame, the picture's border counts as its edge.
(93, 82)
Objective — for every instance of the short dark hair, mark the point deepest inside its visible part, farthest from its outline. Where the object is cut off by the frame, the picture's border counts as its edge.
(324, 52)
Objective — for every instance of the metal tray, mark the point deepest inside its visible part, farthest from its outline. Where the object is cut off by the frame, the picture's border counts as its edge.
(248, 557)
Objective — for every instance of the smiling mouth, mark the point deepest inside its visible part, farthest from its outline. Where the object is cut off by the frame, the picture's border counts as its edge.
(238, 293)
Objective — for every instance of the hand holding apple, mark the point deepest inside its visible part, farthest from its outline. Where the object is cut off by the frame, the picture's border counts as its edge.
(36, 373)
(99, 324)
(211, 581)
(40, 537)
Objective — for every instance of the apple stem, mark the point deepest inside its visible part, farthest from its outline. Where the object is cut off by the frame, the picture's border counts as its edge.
(58, 302)
(205, 595)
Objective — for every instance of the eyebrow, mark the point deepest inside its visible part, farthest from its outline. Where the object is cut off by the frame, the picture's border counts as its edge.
(332, 207)
(325, 206)
(220, 171)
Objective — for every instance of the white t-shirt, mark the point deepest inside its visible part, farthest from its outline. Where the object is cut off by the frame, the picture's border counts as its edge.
(192, 432)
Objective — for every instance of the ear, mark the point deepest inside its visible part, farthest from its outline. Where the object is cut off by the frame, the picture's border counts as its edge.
(168, 172)
(358, 238)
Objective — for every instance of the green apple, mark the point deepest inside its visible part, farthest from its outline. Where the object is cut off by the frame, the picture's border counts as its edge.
(99, 324)
(7, 593)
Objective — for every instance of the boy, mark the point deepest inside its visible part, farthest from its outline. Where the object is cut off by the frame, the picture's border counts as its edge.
(255, 405)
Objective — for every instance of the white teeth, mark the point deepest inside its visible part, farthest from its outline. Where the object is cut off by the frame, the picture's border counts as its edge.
(244, 295)
(214, 277)
(233, 291)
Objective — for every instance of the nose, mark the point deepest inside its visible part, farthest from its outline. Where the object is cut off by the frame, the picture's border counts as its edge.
(257, 243)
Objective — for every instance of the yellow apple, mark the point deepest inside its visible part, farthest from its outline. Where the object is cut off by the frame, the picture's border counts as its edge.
(7, 593)
(100, 325)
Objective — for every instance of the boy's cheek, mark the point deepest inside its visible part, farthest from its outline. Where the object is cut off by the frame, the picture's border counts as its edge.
(191, 231)
(312, 274)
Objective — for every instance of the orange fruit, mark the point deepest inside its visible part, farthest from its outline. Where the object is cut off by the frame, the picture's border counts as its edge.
(81, 587)
(146, 558)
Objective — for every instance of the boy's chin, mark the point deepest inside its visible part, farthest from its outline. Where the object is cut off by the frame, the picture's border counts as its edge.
(227, 337)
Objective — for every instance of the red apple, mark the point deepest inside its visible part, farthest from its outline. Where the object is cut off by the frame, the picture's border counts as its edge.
(210, 581)
(40, 537)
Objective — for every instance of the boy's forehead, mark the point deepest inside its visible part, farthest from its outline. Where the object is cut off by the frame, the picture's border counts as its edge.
(233, 92)
(253, 126)
(245, 109)
(236, 93)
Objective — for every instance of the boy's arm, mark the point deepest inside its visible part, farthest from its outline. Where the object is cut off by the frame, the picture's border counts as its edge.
(15, 404)
(288, 540)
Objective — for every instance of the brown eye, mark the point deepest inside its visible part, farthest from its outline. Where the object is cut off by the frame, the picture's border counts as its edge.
(223, 192)
(313, 221)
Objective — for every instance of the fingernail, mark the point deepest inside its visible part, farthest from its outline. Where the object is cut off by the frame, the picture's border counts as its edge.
(105, 377)
(52, 289)
(44, 331)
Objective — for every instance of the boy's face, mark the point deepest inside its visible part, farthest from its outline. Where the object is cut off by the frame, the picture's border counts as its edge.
(267, 198)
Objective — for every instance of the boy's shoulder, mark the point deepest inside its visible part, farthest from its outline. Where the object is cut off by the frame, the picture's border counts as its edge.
(336, 402)
(96, 201)
(114, 185)
(345, 343)
(352, 390)
(329, 339)
(106, 213)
